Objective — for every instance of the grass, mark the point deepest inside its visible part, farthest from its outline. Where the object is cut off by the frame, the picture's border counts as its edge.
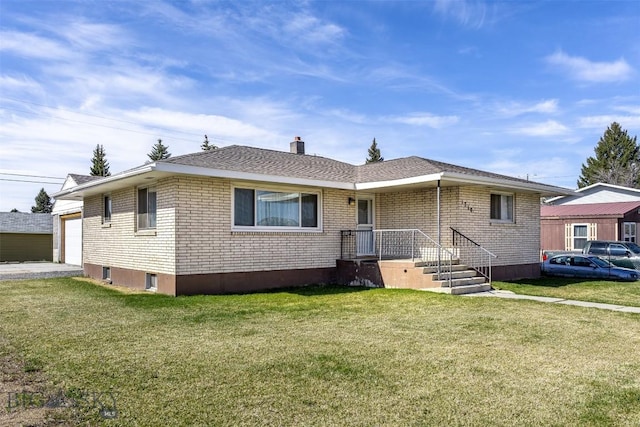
(325, 356)
(621, 293)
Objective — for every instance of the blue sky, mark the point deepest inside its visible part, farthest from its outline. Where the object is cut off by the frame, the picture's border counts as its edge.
(515, 87)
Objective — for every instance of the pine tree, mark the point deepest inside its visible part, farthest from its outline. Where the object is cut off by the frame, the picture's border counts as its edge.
(43, 203)
(159, 151)
(99, 164)
(374, 153)
(616, 161)
(206, 146)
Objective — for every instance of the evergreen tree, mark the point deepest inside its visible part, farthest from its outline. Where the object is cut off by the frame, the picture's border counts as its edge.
(14, 210)
(99, 164)
(616, 161)
(159, 151)
(374, 153)
(206, 146)
(43, 203)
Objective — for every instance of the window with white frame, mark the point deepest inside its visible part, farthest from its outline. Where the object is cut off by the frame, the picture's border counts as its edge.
(106, 205)
(502, 207)
(577, 235)
(580, 236)
(629, 232)
(147, 207)
(276, 209)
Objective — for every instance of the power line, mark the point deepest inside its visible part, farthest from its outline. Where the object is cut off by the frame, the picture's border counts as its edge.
(25, 180)
(31, 176)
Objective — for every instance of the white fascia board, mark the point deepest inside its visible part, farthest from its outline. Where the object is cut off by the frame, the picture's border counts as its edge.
(505, 183)
(399, 182)
(466, 179)
(106, 180)
(248, 176)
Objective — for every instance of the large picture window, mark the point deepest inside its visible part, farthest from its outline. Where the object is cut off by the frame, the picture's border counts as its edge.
(147, 208)
(502, 207)
(275, 209)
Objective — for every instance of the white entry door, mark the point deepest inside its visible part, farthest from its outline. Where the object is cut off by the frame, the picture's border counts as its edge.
(73, 241)
(364, 234)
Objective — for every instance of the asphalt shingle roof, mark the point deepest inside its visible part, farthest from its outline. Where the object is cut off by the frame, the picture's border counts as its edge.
(23, 222)
(280, 163)
(269, 162)
(81, 179)
(591, 209)
(408, 167)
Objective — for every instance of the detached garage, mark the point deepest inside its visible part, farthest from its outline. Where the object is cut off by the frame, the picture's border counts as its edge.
(67, 224)
(25, 236)
(71, 233)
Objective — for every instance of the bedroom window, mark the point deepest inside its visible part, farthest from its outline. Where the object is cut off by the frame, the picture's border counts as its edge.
(106, 205)
(147, 208)
(268, 209)
(502, 207)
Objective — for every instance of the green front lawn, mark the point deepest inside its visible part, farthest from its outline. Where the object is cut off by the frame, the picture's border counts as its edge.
(322, 356)
(622, 293)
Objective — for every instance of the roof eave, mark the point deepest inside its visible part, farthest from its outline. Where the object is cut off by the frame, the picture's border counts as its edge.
(453, 177)
(78, 191)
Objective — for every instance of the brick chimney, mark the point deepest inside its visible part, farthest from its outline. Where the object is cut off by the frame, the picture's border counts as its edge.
(297, 145)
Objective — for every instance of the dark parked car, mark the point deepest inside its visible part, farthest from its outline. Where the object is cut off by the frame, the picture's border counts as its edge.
(621, 254)
(586, 266)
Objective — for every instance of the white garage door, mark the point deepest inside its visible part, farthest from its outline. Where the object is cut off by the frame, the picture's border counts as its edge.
(73, 241)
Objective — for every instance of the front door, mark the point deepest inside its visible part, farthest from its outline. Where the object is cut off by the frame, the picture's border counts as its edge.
(364, 235)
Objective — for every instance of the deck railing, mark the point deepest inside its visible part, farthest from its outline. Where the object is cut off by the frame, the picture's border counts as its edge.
(473, 254)
(397, 244)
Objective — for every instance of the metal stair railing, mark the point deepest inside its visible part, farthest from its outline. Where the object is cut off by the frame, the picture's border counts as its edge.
(473, 254)
(415, 244)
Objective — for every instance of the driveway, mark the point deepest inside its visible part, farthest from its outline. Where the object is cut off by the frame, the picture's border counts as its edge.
(37, 270)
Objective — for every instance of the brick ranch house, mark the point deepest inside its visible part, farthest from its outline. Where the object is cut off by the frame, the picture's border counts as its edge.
(239, 219)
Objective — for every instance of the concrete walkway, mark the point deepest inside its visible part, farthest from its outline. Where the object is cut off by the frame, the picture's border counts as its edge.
(511, 295)
(37, 270)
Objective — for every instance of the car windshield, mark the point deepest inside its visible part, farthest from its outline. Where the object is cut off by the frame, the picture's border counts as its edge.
(634, 248)
(601, 262)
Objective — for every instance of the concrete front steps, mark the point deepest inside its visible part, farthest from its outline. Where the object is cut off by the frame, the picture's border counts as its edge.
(423, 276)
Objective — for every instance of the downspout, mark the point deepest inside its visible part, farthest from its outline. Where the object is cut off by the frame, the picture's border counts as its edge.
(438, 226)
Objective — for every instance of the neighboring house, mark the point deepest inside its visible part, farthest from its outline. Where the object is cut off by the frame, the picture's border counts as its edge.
(568, 227)
(67, 223)
(25, 236)
(598, 193)
(239, 218)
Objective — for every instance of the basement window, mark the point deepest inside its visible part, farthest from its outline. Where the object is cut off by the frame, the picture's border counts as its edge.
(151, 282)
(106, 273)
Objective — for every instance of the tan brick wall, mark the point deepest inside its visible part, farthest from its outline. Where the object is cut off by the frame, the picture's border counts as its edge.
(206, 242)
(466, 209)
(118, 244)
(194, 230)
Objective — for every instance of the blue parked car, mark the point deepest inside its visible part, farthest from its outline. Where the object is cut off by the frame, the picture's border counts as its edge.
(587, 267)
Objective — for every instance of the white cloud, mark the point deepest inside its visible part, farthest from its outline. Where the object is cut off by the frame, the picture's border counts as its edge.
(425, 119)
(512, 109)
(548, 128)
(30, 45)
(468, 13)
(589, 71)
(605, 120)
